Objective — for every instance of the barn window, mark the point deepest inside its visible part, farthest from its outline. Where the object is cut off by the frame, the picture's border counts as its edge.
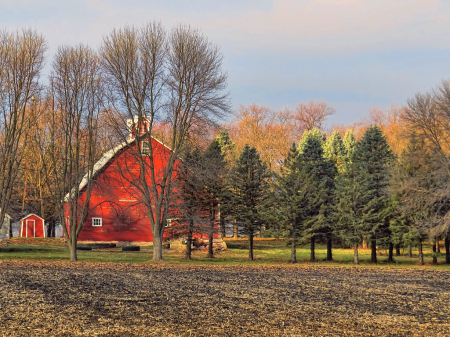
(145, 148)
(96, 222)
(170, 221)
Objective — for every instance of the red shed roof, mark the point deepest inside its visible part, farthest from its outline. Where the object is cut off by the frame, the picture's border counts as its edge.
(31, 215)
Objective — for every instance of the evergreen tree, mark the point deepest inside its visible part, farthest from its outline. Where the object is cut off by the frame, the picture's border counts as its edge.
(349, 142)
(213, 178)
(293, 199)
(319, 174)
(250, 189)
(362, 191)
(335, 151)
(226, 145)
(315, 134)
(193, 198)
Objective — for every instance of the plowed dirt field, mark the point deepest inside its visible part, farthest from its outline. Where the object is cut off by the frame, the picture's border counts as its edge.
(95, 299)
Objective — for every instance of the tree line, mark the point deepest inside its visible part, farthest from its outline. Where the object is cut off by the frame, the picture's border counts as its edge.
(344, 190)
(381, 182)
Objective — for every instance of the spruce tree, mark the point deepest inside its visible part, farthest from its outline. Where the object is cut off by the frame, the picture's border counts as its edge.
(349, 142)
(335, 151)
(293, 200)
(192, 195)
(315, 134)
(213, 178)
(319, 174)
(362, 190)
(250, 189)
(226, 145)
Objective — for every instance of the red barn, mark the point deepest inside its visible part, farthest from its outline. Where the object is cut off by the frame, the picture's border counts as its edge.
(32, 226)
(117, 211)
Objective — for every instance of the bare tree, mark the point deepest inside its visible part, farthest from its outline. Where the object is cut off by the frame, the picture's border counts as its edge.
(311, 115)
(154, 76)
(425, 191)
(75, 87)
(270, 132)
(21, 61)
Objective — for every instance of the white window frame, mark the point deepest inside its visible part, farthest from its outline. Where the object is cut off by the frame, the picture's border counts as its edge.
(94, 220)
(145, 150)
(169, 222)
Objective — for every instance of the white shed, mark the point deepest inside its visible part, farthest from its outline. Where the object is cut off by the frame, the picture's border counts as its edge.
(5, 228)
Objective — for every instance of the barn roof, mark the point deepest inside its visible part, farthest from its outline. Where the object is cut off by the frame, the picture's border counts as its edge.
(105, 160)
(31, 215)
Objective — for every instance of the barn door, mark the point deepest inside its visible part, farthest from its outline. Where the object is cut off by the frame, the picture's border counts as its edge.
(31, 227)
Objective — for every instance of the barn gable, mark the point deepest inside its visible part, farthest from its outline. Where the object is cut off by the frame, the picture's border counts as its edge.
(118, 213)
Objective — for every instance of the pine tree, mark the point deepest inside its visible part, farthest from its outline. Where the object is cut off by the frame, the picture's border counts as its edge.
(214, 182)
(335, 151)
(293, 197)
(362, 191)
(319, 174)
(250, 189)
(226, 145)
(192, 195)
(315, 134)
(349, 142)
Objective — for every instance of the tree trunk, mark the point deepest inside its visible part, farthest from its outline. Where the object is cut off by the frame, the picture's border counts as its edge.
(212, 220)
(72, 242)
(9, 234)
(329, 249)
(410, 251)
(73, 252)
(421, 254)
(355, 257)
(397, 249)
(51, 229)
(222, 226)
(293, 252)
(250, 247)
(447, 249)
(438, 248)
(373, 256)
(391, 252)
(313, 249)
(157, 244)
(189, 241)
(434, 252)
(235, 229)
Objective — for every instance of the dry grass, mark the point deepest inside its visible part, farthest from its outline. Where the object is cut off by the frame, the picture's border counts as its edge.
(105, 299)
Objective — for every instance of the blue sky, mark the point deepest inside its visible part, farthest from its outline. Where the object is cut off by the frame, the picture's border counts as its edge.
(353, 54)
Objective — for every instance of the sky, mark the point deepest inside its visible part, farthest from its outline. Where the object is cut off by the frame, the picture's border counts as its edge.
(353, 54)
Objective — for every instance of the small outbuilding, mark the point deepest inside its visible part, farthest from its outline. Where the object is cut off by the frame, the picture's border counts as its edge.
(5, 228)
(32, 226)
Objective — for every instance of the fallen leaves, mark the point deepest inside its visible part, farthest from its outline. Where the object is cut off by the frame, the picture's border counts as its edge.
(85, 299)
(5, 242)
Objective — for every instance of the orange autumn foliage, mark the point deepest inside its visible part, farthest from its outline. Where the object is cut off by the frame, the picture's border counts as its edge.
(270, 132)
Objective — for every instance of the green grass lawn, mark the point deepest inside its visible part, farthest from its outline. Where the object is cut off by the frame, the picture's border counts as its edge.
(267, 252)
